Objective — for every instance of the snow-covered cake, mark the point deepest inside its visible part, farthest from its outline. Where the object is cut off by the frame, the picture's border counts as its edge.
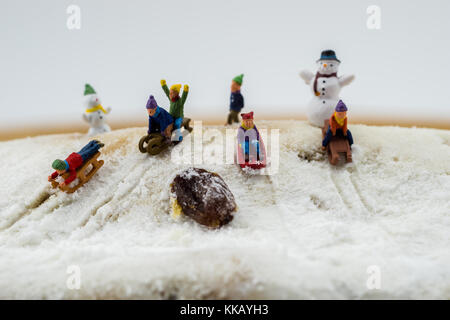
(309, 231)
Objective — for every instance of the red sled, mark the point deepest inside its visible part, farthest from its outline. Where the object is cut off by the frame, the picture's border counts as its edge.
(252, 162)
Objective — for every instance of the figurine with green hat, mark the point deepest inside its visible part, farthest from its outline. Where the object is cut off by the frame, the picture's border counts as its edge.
(74, 161)
(95, 114)
(236, 99)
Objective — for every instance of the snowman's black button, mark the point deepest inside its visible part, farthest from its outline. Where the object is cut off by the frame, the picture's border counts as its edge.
(324, 81)
(323, 89)
(323, 101)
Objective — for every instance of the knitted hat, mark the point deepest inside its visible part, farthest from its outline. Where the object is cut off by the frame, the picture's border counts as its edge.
(328, 55)
(151, 103)
(176, 87)
(341, 107)
(238, 79)
(59, 165)
(247, 116)
(88, 89)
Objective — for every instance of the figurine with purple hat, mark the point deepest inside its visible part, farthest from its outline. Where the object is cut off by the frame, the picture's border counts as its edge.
(338, 125)
(159, 120)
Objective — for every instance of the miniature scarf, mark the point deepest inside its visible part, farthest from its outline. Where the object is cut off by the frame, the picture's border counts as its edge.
(340, 121)
(96, 108)
(319, 75)
(247, 128)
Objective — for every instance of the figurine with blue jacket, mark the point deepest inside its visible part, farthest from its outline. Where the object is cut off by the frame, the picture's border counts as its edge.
(236, 100)
(176, 106)
(159, 120)
(161, 127)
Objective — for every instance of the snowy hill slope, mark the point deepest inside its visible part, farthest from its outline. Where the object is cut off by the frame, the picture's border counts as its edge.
(310, 231)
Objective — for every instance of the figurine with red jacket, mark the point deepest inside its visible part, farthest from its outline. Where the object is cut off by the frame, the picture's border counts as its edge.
(250, 151)
(68, 168)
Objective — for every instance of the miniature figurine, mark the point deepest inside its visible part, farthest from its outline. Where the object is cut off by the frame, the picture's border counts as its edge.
(159, 120)
(236, 99)
(251, 151)
(176, 106)
(160, 128)
(75, 166)
(337, 138)
(326, 86)
(95, 114)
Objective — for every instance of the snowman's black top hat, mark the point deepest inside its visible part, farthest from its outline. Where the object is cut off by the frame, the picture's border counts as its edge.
(328, 55)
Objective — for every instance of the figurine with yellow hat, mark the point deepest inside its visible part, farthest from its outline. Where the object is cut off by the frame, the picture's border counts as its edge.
(176, 106)
(236, 99)
(95, 114)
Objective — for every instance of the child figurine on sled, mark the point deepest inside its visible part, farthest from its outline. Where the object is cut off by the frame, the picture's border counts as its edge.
(338, 125)
(251, 150)
(176, 106)
(159, 120)
(69, 167)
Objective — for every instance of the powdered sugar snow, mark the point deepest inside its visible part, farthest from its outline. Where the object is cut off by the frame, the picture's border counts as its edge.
(309, 231)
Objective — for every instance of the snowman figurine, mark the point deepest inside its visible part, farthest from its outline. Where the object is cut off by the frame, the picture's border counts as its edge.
(325, 86)
(95, 114)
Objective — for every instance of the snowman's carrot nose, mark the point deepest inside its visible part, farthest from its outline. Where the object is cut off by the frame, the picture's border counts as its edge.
(324, 65)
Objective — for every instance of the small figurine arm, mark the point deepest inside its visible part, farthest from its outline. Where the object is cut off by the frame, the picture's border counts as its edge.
(346, 80)
(306, 75)
(72, 176)
(165, 88)
(85, 117)
(185, 93)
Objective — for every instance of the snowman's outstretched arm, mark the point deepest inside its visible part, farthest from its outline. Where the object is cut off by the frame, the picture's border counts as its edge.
(307, 76)
(108, 110)
(85, 117)
(346, 80)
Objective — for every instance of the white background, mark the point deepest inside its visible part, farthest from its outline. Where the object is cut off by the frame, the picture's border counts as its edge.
(125, 47)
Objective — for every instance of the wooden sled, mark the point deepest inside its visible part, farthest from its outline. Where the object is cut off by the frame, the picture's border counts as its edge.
(84, 174)
(255, 164)
(155, 143)
(338, 147)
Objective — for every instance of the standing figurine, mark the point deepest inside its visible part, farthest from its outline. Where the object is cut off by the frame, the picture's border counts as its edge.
(251, 151)
(326, 86)
(159, 120)
(336, 136)
(236, 99)
(75, 166)
(95, 114)
(176, 106)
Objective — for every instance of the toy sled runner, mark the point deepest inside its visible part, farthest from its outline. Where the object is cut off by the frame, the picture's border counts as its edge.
(155, 143)
(84, 174)
(253, 160)
(338, 147)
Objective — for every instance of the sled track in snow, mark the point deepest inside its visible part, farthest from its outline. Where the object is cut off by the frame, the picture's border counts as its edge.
(354, 179)
(273, 180)
(348, 190)
(35, 204)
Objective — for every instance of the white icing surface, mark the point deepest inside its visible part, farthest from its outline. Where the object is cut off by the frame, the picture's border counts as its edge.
(311, 231)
